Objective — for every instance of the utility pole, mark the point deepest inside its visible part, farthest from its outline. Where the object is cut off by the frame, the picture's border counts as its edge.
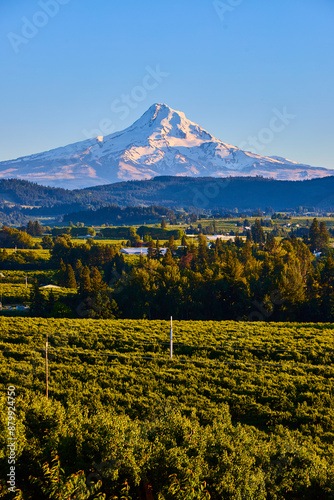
(171, 337)
(46, 368)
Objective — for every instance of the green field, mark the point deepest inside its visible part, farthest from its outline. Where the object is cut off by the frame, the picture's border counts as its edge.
(263, 360)
(275, 380)
(39, 252)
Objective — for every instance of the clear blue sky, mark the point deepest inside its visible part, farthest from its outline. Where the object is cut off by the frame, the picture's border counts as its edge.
(229, 65)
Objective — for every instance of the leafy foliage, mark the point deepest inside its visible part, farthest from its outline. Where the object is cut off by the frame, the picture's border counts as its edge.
(244, 410)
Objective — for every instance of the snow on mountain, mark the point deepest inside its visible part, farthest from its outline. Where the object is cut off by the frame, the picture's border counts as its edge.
(161, 142)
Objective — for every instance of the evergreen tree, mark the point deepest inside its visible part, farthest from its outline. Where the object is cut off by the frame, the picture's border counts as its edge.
(202, 249)
(327, 276)
(97, 284)
(249, 236)
(314, 234)
(247, 251)
(85, 286)
(37, 229)
(257, 232)
(70, 281)
(324, 235)
(119, 263)
(78, 269)
(171, 243)
(30, 228)
(163, 224)
(62, 273)
(150, 249)
(38, 302)
(270, 241)
(168, 259)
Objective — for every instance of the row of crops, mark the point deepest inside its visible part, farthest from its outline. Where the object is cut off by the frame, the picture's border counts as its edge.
(272, 373)
(261, 392)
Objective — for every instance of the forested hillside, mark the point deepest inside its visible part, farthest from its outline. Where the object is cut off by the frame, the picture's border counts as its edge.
(172, 192)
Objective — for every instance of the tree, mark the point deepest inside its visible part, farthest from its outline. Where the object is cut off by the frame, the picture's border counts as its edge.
(47, 242)
(34, 228)
(38, 302)
(163, 224)
(30, 228)
(314, 235)
(257, 232)
(70, 281)
(202, 249)
(270, 242)
(168, 258)
(171, 243)
(62, 273)
(12, 237)
(150, 249)
(101, 307)
(249, 236)
(85, 286)
(324, 235)
(37, 229)
(97, 284)
(78, 268)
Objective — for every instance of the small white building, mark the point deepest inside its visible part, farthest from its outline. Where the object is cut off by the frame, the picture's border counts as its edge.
(222, 237)
(139, 251)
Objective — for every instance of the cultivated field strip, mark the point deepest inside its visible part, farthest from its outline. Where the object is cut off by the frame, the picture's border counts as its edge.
(268, 373)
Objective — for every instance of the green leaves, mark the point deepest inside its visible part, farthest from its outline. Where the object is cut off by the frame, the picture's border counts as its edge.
(55, 485)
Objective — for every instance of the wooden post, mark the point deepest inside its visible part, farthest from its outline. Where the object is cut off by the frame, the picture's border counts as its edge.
(46, 368)
(171, 337)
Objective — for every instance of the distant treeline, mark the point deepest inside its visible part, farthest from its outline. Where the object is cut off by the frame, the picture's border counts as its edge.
(114, 214)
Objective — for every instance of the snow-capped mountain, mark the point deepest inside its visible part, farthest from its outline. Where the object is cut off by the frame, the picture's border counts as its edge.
(161, 142)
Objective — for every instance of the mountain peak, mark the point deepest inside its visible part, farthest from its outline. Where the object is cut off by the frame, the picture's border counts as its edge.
(159, 107)
(161, 142)
(163, 122)
(159, 112)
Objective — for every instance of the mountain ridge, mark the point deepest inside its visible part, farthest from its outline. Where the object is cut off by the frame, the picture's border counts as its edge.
(172, 192)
